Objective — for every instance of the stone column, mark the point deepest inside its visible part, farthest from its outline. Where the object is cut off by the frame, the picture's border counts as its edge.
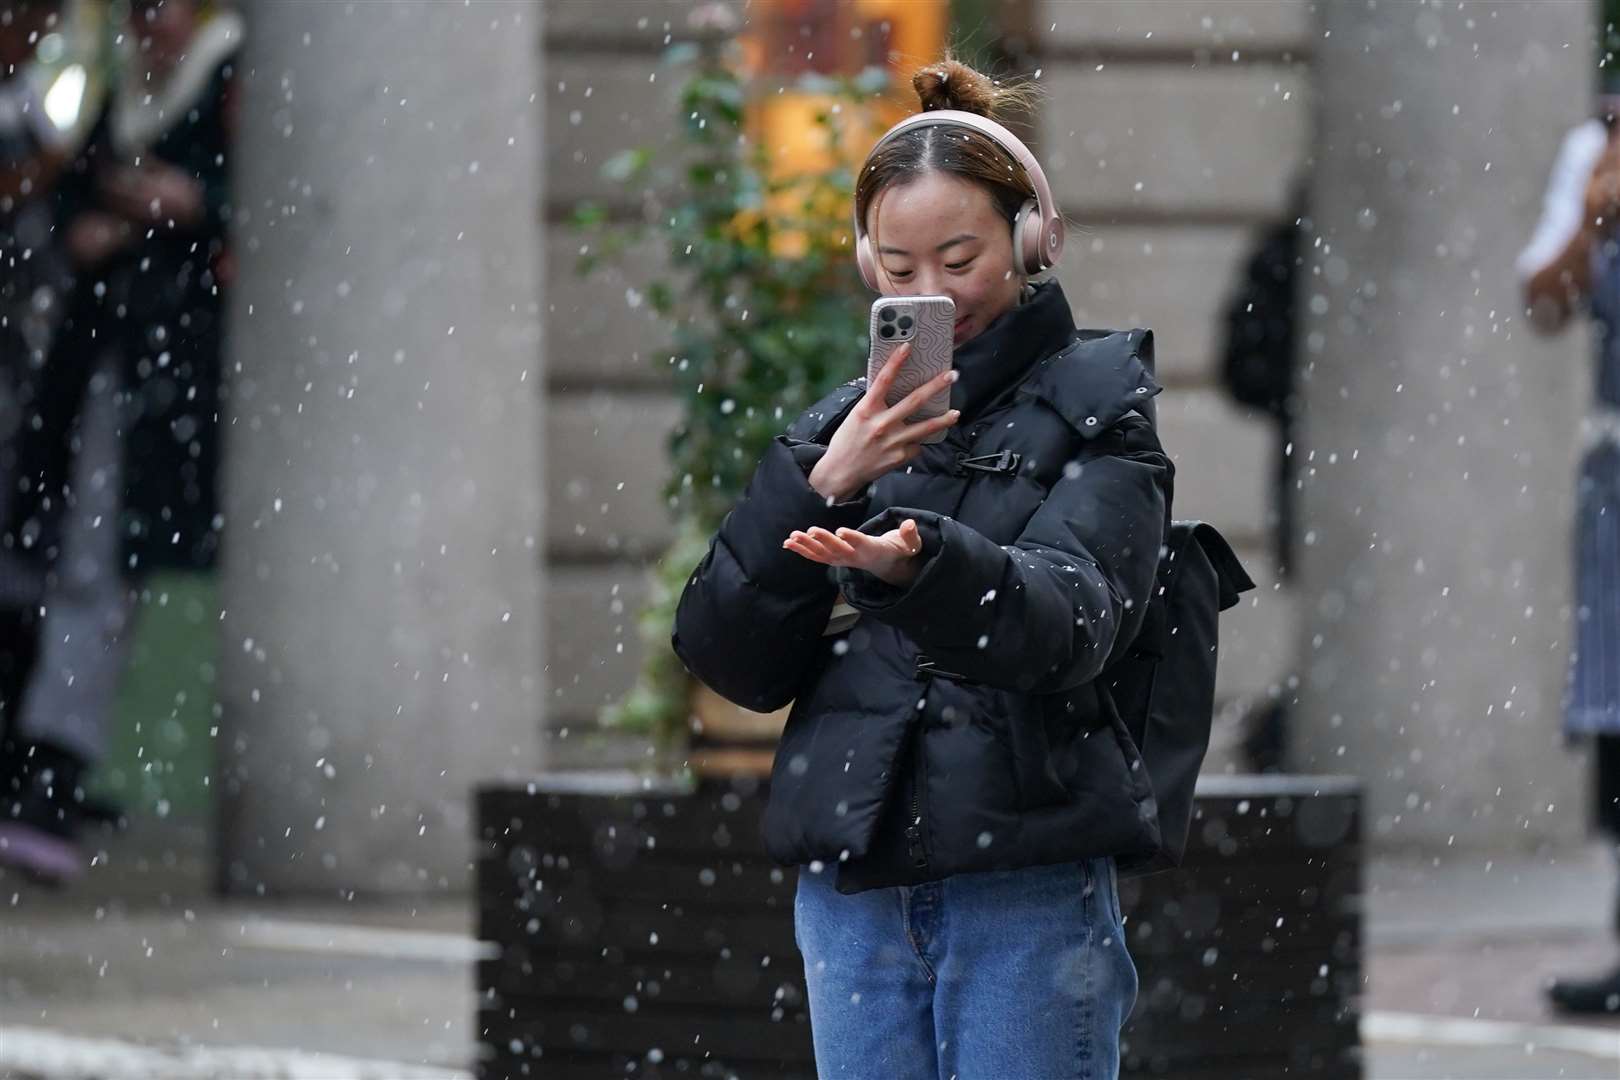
(1440, 433)
(382, 573)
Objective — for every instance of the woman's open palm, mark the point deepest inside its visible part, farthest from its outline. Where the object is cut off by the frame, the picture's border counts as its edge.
(891, 557)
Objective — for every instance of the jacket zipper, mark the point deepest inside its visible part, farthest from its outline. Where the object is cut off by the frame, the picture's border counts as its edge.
(919, 858)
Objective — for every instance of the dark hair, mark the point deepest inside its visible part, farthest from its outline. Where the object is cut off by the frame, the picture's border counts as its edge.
(951, 84)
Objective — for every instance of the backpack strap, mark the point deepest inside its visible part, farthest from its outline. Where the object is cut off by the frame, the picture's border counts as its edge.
(818, 422)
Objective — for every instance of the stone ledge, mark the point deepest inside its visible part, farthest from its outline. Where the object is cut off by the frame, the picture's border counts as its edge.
(1124, 25)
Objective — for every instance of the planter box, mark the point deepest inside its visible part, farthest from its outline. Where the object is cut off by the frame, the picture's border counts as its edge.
(643, 932)
(728, 740)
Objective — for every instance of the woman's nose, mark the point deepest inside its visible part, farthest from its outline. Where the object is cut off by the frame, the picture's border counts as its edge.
(930, 283)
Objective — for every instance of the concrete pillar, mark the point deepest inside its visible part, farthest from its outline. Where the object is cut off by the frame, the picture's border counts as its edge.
(1439, 437)
(383, 480)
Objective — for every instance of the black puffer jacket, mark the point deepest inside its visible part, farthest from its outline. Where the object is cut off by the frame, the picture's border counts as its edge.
(959, 724)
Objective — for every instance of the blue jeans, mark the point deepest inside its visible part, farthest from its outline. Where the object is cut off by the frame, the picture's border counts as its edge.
(1012, 975)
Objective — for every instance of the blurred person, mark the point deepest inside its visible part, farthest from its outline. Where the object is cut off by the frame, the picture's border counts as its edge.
(957, 906)
(119, 460)
(32, 153)
(1571, 262)
(1258, 371)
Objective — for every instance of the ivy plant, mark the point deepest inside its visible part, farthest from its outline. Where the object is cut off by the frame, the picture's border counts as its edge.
(764, 306)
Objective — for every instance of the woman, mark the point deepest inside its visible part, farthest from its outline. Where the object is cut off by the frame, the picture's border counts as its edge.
(953, 781)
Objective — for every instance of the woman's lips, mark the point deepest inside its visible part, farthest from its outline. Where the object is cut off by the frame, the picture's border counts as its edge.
(961, 324)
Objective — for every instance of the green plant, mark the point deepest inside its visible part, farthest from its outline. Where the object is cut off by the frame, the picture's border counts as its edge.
(765, 308)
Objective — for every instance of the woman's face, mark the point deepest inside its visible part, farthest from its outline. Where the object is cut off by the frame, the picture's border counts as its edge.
(940, 235)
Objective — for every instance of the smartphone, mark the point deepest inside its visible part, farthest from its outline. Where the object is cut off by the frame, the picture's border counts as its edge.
(928, 323)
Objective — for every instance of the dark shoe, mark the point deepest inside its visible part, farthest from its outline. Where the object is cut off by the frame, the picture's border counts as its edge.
(1588, 996)
(41, 813)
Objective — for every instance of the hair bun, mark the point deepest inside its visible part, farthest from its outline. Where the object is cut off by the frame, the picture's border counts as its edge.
(951, 84)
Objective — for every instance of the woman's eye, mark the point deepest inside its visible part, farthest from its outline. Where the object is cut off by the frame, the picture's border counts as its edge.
(957, 266)
(898, 274)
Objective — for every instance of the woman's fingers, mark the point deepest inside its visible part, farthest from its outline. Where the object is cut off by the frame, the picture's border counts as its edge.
(835, 543)
(913, 402)
(910, 537)
(924, 428)
(856, 541)
(822, 546)
(847, 547)
(878, 392)
(809, 547)
(851, 547)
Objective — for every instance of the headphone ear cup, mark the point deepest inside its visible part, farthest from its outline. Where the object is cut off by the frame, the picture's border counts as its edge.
(865, 262)
(1027, 236)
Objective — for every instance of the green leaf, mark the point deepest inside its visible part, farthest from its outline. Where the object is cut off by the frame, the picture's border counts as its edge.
(626, 165)
(587, 215)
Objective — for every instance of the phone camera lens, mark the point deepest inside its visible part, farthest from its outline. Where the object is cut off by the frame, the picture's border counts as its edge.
(905, 322)
(887, 314)
(886, 331)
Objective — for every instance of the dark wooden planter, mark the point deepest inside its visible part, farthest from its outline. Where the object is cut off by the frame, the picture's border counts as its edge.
(643, 932)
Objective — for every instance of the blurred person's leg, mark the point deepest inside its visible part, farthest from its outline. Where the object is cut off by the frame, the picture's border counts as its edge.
(61, 720)
(1608, 805)
(19, 579)
(41, 418)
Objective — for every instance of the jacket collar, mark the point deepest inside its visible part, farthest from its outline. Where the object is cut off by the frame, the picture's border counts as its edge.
(1091, 378)
(1100, 377)
(1011, 347)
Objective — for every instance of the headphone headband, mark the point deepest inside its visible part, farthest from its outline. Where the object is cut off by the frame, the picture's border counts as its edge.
(1037, 235)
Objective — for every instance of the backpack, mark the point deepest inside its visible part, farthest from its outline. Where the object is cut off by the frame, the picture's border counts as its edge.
(1164, 684)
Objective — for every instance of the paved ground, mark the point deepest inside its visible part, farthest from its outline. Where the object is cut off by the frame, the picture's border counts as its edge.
(139, 974)
(1458, 954)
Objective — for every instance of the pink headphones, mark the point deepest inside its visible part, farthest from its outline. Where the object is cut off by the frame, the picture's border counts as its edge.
(1037, 229)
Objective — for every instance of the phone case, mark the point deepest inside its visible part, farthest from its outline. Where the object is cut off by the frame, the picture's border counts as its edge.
(929, 323)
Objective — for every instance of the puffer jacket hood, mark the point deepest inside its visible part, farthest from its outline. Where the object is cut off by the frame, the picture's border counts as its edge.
(958, 725)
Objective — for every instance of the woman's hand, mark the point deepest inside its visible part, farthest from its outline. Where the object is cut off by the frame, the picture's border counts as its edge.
(94, 236)
(891, 557)
(875, 438)
(153, 192)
